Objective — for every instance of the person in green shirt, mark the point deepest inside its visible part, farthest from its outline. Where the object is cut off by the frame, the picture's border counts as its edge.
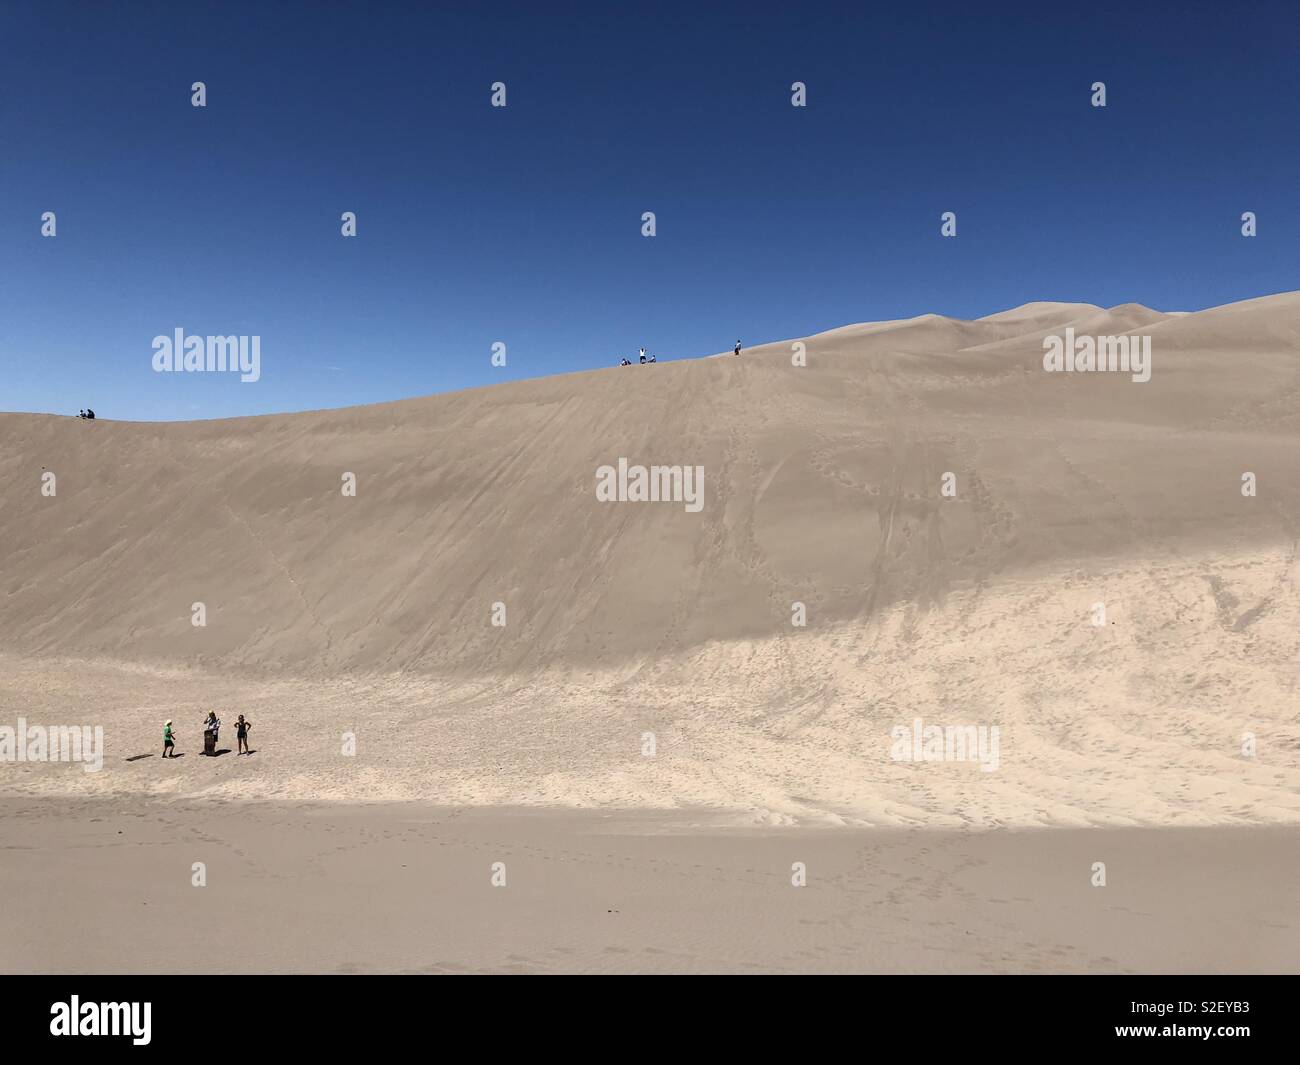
(169, 744)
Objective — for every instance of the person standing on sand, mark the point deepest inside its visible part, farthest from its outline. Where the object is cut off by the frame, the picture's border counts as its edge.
(169, 745)
(737, 351)
(211, 727)
(241, 736)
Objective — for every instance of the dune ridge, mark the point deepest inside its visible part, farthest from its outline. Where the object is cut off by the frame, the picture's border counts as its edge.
(822, 488)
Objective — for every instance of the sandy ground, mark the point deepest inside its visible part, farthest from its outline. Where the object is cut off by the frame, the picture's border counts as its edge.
(1147, 720)
(105, 886)
(650, 736)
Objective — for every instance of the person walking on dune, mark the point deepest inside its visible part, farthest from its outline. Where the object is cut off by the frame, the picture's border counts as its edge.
(169, 741)
(737, 351)
(241, 736)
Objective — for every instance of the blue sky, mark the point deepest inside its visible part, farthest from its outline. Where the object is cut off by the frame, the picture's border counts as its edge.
(523, 224)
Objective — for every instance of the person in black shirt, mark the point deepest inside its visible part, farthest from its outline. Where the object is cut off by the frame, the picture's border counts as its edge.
(241, 736)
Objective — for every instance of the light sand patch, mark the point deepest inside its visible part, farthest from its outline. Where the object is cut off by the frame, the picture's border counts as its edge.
(1141, 721)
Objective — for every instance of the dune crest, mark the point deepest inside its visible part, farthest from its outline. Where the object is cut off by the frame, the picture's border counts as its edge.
(822, 485)
(823, 501)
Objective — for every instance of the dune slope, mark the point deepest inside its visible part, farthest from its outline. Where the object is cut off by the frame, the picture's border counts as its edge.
(822, 487)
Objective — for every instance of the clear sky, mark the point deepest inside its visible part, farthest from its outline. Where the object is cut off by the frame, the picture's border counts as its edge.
(523, 225)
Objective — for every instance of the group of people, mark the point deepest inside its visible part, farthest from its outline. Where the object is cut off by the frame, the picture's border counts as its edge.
(87, 413)
(628, 362)
(651, 358)
(211, 729)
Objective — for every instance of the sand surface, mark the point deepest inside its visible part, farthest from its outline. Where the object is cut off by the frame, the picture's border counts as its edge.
(105, 886)
(822, 486)
(649, 666)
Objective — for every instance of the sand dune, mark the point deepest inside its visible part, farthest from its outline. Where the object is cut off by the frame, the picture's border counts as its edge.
(822, 486)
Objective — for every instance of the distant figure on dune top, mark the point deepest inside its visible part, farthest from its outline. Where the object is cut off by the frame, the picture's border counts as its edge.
(90, 413)
(651, 359)
(737, 351)
(626, 362)
(643, 354)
